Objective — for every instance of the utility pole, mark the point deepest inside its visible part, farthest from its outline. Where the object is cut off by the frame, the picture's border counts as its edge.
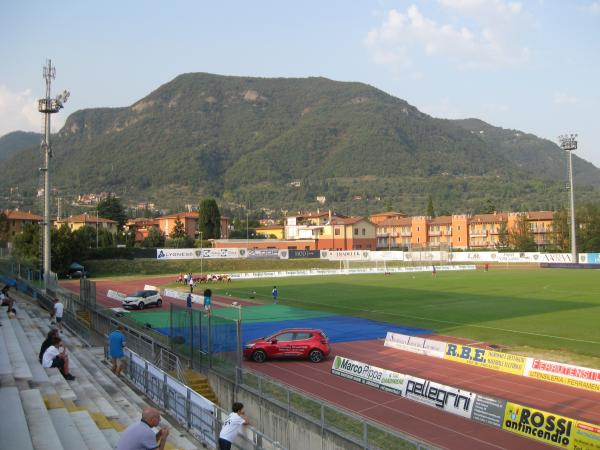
(48, 106)
(568, 143)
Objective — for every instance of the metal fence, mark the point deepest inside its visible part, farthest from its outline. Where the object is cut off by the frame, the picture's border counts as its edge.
(331, 419)
(164, 352)
(208, 340)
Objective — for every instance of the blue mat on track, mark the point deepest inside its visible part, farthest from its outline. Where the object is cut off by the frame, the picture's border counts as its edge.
(337, 329)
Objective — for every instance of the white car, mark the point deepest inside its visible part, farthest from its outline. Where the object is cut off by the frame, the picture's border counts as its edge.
(142, 299)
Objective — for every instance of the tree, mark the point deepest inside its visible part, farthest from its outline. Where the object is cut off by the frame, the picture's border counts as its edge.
(561, 235)
(588, 231)
(209, 220)
(27, 243)
(155, 238)
(521, 237)
(111, 208)
(4, 237)
(503, 238)
(430, 210)
(178, 230)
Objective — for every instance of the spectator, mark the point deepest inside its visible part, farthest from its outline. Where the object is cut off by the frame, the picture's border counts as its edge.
(57, 313)
(56, 356)
(140, 436)
(232, 426)
(47, 343)
(207, 299)
(275, 293)
(116, 343)
(7, 300)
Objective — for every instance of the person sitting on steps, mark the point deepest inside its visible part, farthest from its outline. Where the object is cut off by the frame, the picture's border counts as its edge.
(56, 356)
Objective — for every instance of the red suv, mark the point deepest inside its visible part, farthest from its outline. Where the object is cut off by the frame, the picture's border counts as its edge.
(290, 343)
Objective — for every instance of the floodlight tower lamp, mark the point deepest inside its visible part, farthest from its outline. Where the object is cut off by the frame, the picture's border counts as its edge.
(568, 143)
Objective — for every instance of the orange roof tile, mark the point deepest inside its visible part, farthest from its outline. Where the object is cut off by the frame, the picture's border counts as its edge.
(22, 215)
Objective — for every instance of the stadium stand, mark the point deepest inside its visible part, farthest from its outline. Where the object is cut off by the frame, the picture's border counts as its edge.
(48, 412)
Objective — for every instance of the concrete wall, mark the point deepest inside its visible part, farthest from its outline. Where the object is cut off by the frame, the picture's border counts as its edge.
(293, 432)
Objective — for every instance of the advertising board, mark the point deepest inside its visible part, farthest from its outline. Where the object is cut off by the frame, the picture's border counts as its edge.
(428, 347)
(294, 254)
(490, 359)
(198, 253)
(489, 410)
(567, 374)
(542, 426)
(382, 379)
(450, 399)
(345, 255)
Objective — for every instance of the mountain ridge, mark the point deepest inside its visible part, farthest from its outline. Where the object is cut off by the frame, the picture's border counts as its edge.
(244, 139)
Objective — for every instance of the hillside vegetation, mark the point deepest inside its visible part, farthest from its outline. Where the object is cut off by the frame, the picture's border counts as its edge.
(242, 140)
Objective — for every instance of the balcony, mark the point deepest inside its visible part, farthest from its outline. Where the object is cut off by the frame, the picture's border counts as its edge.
(434, 233)
(478, 233)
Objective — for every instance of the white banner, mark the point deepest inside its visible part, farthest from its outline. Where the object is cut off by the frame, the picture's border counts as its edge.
(567, 374)
(556, 258)
(382, 379)
(199, 253)
(386, 256)
(422, 256)
(428, 347)
(116, 295)
(180, 295)
(345, 255)
(450, 399)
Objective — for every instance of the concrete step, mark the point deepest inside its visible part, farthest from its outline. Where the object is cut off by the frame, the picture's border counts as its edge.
(68, 433)
(60, 384)
(19, 365)
(13, 426)
(41, 427)
(112, 436)
(5, 367)
(92, 436)
(38, 374)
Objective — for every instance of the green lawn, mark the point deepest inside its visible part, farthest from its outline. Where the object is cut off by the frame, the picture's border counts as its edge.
(552, 310)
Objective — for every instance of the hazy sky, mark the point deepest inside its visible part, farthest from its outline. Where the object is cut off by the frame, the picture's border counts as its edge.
(530, 65)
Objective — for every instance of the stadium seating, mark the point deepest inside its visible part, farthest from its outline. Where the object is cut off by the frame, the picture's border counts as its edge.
(48, 412)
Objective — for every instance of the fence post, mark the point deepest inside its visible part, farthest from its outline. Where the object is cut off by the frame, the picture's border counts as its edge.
(209, 349)
(146, 376)
(188, 409)
(165, 392)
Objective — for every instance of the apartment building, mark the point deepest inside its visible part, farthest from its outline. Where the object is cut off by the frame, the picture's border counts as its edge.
(460, 231)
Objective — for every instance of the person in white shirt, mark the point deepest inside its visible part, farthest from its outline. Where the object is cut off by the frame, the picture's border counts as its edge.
(56, 356)
(57, 313)
(232, 426)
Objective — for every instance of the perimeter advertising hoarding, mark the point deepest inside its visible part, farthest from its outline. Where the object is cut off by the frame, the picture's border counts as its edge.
(382, 379)
(294, 254)
(450, 399)
(489, 410)
(393, 255)
(345, 255)
(266, 253)
(541, 426)
(198, 253)
(415, 344)
(567, 374)
(490, 359)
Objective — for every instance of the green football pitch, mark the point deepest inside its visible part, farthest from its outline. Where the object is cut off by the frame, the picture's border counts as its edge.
(553, 310)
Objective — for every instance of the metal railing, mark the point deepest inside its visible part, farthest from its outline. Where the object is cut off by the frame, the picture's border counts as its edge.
(156, 347)
(330, 418)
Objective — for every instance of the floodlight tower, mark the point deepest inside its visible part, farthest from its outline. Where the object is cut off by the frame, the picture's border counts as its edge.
(568, 142)
(48, 106)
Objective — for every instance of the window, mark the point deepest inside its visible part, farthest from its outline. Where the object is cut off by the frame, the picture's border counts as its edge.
(284, 337)
(337, 232)
(356, 232)
(363, 232)
(300, 336)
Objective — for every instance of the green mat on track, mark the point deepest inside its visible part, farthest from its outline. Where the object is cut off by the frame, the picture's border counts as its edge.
(250, 314)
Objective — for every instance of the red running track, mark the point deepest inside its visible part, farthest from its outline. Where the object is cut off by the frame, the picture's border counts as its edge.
(441, 429)
(435, 426)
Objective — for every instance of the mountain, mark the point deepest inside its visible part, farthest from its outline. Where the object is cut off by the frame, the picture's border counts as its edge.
(245, 140)
(16, 141)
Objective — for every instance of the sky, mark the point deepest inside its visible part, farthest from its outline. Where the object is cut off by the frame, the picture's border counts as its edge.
(532, 65)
